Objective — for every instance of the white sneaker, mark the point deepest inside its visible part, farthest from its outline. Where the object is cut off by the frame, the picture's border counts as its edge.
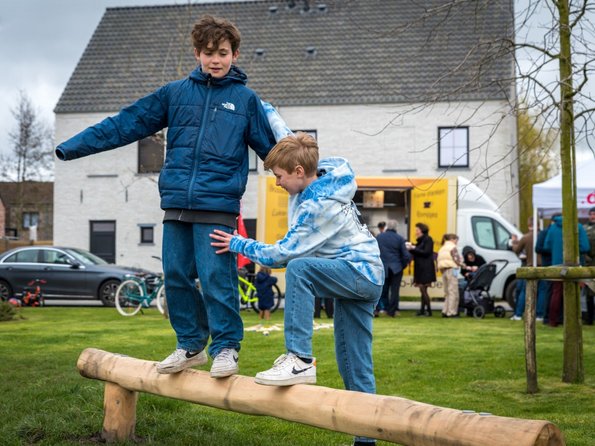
(288, 370)
(181, 359)
(225, 363)
(516, 318)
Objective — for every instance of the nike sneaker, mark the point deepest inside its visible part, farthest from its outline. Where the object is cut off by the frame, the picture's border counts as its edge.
(225, 363)
(288, 370)
(181, 359)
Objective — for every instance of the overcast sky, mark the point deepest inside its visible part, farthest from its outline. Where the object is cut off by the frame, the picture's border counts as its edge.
(41, 42)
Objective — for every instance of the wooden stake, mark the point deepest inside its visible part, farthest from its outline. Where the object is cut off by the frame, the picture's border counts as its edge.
(119, 405)
(530, 348)
(389, 418)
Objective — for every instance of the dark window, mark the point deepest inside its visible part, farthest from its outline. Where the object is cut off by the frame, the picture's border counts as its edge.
(453, 147)
(147, 234)
(103, 239)
(151, 153)
(490, 234)
(30, 219)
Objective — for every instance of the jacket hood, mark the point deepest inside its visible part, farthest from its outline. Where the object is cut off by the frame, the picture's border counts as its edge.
(335, 180)
(235, 75)
(467, 250)
(557, 220)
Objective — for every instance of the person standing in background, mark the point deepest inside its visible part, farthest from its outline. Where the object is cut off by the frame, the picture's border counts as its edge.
(395, 258)
(424, 269)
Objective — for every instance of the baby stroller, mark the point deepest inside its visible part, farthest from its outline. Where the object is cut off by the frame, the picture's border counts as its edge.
(476, 300)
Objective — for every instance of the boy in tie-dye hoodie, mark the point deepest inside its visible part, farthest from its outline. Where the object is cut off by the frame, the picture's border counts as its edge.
(328, 253)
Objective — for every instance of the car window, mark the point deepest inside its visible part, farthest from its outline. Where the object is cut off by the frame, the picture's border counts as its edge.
(53, 256)
(26, 256)
(490, 234)
(86, 258)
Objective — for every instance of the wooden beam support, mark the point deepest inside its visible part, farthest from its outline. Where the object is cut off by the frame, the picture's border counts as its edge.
(388, 418)
(579, 273)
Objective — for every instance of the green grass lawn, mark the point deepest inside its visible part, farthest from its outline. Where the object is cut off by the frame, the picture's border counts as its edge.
(458, 363)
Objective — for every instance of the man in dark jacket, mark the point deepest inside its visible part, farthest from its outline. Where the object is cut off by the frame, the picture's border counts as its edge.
(395, 257)
(211, 118)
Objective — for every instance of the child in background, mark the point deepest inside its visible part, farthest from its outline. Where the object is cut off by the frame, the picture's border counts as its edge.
(264, 289)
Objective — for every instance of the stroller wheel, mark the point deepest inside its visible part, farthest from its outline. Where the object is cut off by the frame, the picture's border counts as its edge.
(479, 312)
(499, 311)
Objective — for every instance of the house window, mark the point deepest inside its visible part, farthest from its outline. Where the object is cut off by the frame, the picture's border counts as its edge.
(453, 147)
(147, 234)
(150, 153)
(30, 219)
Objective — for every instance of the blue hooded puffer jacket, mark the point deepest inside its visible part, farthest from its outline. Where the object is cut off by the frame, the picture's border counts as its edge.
(211, 122)
(554, 242)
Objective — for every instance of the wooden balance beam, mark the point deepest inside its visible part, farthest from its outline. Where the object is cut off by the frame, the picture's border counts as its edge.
(388, 418)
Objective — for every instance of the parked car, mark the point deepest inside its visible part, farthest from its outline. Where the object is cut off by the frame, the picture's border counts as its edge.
(69, 273)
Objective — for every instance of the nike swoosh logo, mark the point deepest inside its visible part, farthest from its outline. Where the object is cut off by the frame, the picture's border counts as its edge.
(236, 359)
(297, 372)
(191, 355)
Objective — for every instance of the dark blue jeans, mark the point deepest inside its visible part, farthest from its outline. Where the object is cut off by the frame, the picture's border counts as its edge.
(194, 315)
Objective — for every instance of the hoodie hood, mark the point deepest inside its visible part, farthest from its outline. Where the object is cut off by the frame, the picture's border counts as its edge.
(336, 181)
(235, 75)
(467, 250)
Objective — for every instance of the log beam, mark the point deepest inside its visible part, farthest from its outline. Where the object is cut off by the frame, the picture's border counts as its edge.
(388, 418)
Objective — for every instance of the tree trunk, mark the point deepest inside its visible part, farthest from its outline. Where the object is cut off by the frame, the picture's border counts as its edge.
(573, 344)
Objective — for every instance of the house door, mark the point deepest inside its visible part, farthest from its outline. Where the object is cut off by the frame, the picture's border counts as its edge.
(103, 240)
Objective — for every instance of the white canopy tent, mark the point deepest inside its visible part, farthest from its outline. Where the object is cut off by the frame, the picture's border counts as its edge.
(547, 196)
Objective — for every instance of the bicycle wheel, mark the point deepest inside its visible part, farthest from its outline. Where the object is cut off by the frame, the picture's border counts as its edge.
(277, 296)
(161, 302)
(129, 298)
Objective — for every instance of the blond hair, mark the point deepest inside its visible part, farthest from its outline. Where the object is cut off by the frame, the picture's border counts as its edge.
(300, 149)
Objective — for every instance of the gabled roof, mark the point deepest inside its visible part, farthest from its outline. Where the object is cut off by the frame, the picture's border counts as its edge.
(336, 52)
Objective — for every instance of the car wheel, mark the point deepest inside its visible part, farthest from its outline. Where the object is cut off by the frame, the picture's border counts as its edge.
(5, 290)
(107, 292)
(509, 293)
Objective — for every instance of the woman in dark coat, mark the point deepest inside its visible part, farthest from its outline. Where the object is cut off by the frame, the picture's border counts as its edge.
(424, 269)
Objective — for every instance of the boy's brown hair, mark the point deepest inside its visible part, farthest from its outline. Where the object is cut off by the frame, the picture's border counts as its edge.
(214, 30)
(293, 151)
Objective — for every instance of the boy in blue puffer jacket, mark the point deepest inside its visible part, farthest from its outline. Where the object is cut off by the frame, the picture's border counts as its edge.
(211, 118)
(329, 253)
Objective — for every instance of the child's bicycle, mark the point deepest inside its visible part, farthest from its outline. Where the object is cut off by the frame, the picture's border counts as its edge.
(133, 293)
(249, 295)
(32, 295)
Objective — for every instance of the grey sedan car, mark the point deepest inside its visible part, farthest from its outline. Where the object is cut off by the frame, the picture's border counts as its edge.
(69, 273)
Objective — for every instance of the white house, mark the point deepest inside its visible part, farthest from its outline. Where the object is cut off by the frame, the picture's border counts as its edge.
(398, 88)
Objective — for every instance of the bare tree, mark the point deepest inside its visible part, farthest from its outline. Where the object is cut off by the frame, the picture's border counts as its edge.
(551, 47)
(31, 141)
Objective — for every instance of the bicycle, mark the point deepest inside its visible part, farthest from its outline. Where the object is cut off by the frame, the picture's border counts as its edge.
(32, 295)
(136, 292)
(249, 294)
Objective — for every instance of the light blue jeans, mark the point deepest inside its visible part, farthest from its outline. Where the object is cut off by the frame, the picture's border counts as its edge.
(194, 315)
(355, 298)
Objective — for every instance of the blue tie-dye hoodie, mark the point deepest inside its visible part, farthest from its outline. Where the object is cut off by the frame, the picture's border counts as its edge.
(323, 222)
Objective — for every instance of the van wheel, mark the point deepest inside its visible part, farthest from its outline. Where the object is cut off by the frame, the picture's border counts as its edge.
(509, 293)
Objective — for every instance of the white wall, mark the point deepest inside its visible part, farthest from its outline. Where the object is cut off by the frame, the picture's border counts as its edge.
(397, 140)
(379, 140)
